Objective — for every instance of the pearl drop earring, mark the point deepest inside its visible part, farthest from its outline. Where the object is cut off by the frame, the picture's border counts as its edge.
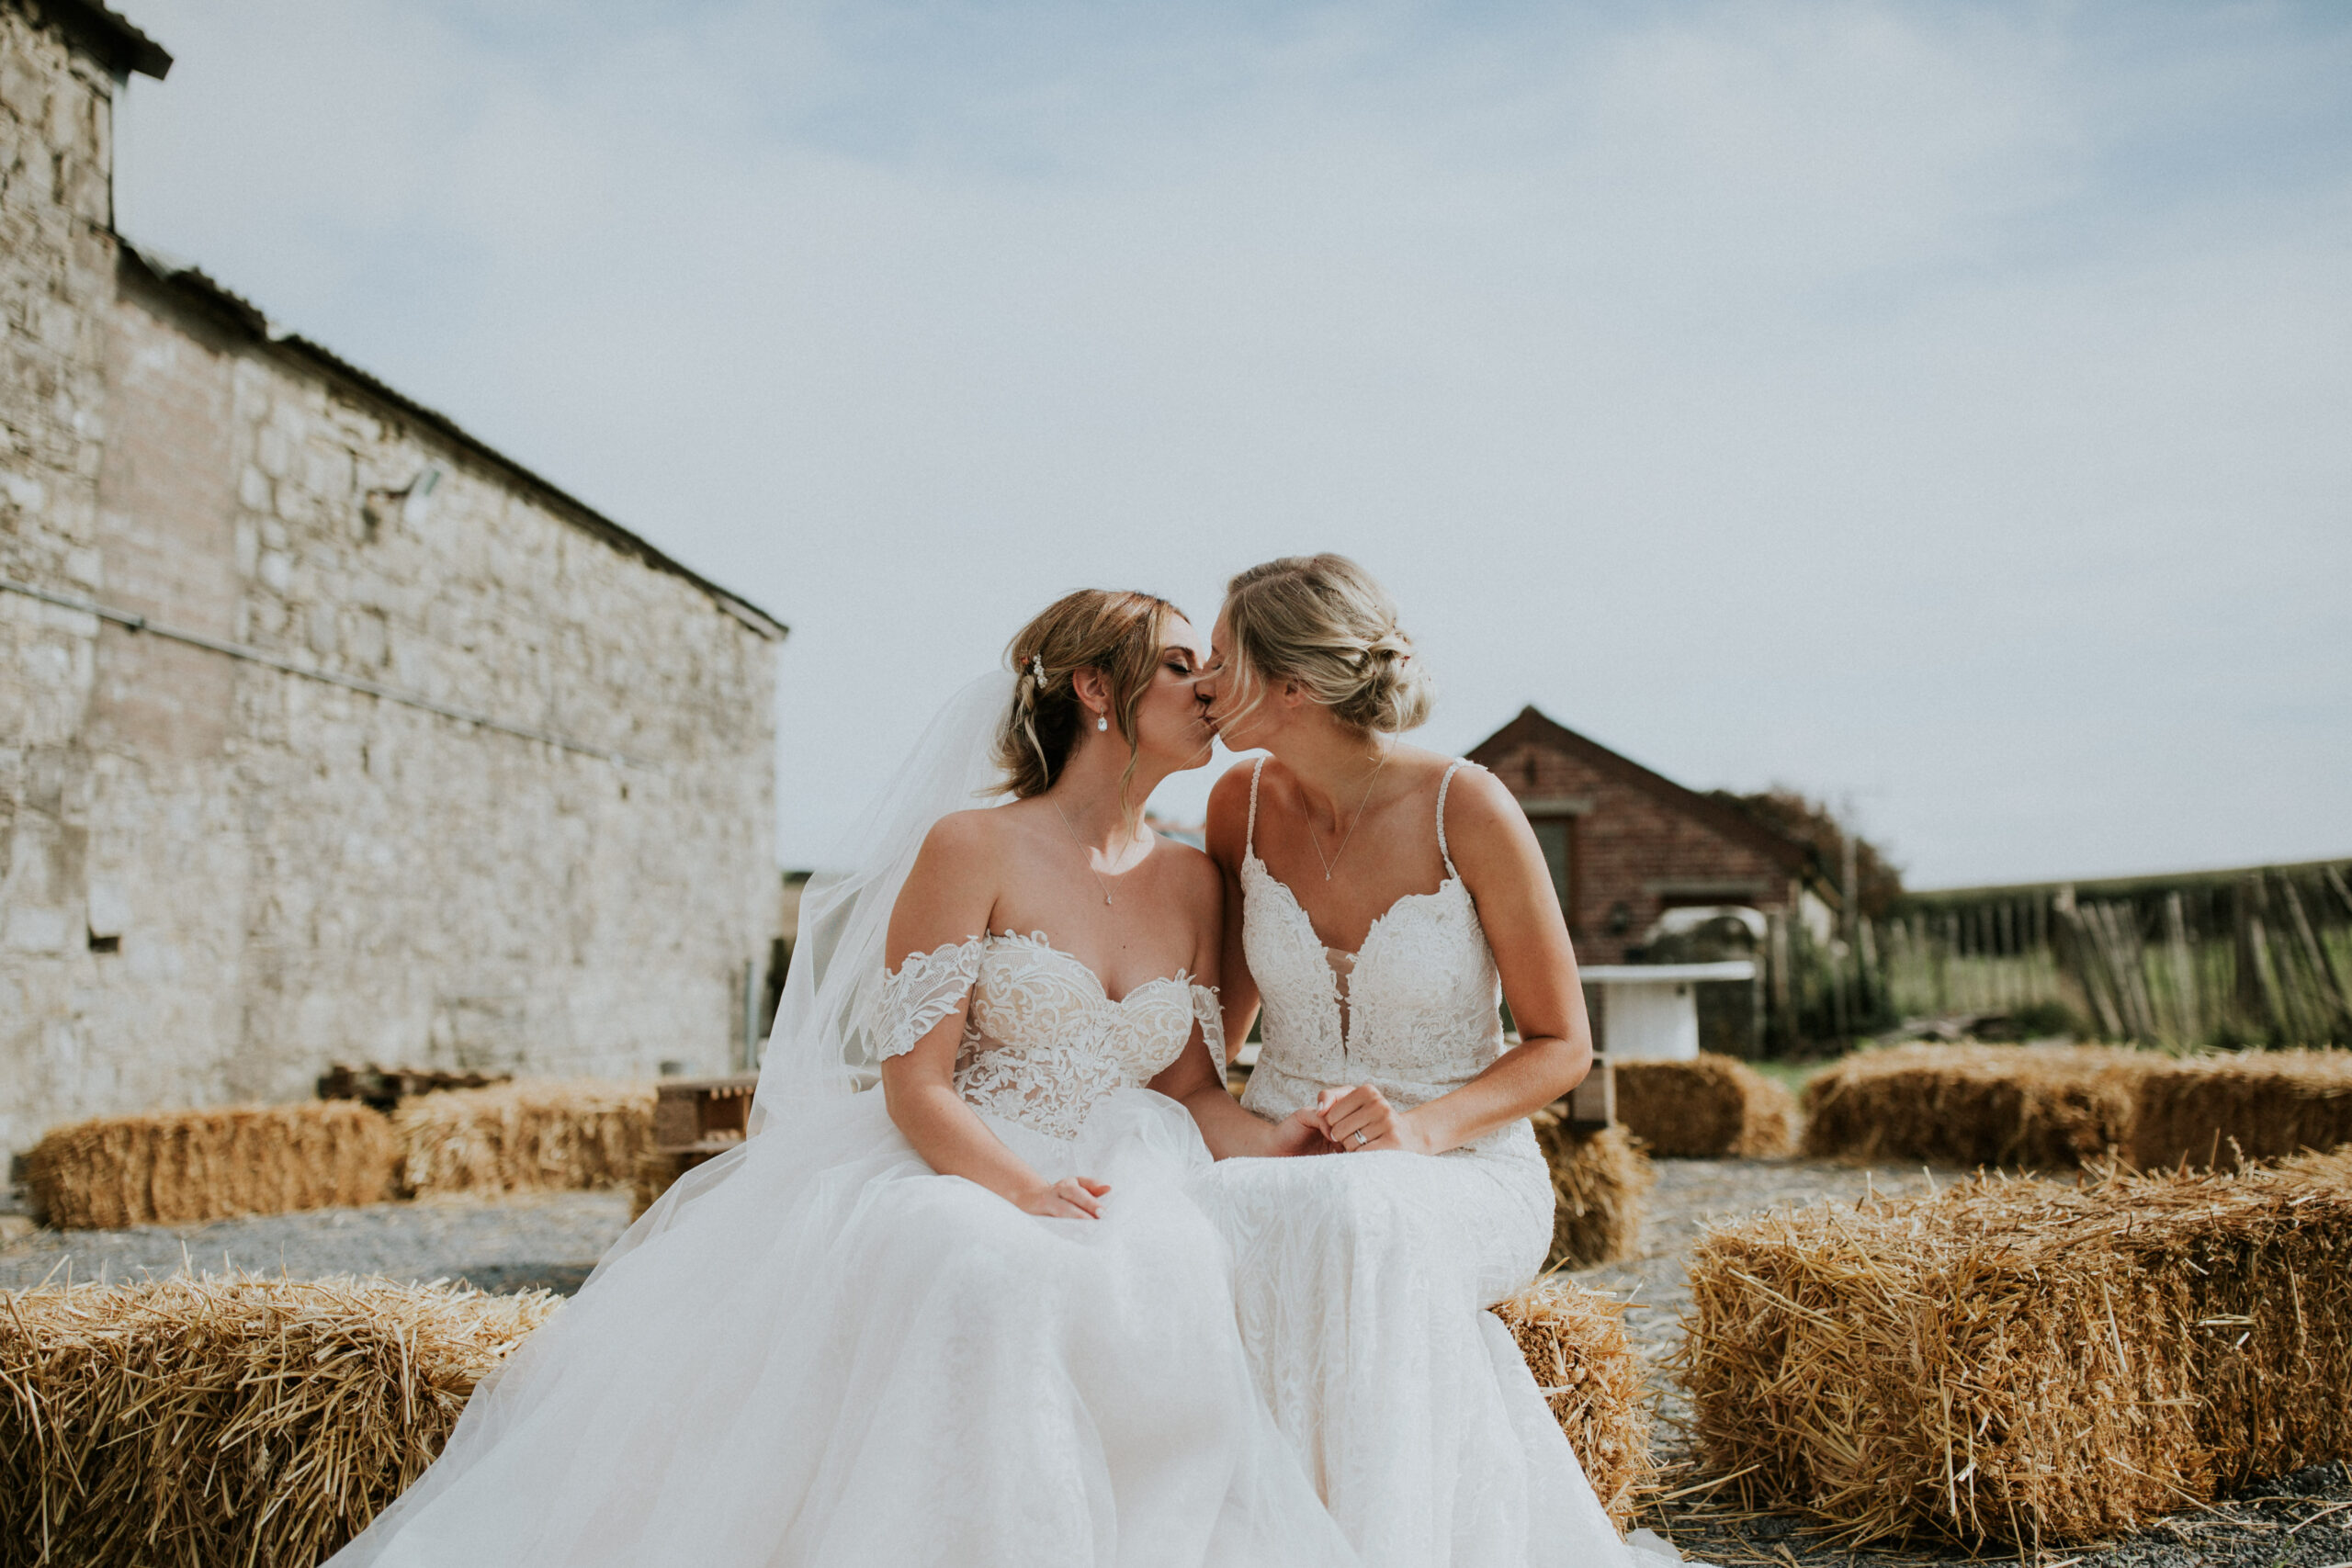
(1100, 723)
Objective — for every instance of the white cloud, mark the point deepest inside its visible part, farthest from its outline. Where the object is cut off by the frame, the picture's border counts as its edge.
(1937, 406)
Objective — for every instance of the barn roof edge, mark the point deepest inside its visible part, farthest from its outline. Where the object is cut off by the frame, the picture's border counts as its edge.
(112, 38)
(233, 310)
(1532, 724)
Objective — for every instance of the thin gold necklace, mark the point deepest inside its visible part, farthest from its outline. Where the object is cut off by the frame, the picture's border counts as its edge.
(1334, 864)
(1083, 852)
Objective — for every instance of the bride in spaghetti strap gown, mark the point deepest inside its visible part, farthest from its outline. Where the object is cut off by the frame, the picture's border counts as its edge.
(970, 1319)
(1360, 1278)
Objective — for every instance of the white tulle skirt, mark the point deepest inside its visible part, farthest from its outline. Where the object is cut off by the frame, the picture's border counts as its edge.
(829, 1355)
(1362, 1281)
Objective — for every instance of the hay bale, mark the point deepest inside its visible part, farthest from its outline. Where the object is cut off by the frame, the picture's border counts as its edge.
(2262, 1105)
(534, 1135)
(1598, 1181)
(207, 1421)
(1711, 1108)
(181, 1166)
(2025, 1363)
(1576, 1345)
(1969, 1105)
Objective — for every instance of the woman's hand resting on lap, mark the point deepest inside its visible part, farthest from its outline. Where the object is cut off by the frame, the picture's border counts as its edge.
(1071, 1198)
(1360, 1119)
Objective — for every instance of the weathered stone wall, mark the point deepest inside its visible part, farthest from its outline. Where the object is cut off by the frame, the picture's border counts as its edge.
(216, 876)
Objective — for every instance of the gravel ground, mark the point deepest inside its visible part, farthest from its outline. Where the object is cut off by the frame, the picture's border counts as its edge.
(551, 1241)
(547, 1240)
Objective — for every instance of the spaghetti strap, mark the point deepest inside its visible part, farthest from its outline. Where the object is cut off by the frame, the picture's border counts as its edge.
(1443, 785)
(1249, 838)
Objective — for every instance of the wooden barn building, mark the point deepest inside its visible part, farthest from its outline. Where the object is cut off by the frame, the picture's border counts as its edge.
(1626, 845)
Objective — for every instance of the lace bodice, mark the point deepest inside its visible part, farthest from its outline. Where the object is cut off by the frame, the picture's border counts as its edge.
(1043, 1042)
(1418, 1018)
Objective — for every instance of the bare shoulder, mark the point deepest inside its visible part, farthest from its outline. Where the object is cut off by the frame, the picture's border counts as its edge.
(1228, 818)
(1480, 810)
(1192, 872)
(966, 840)
(1231, 794)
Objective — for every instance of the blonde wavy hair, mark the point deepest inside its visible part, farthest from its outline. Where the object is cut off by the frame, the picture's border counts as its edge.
(1325, 623)
(1120, 634)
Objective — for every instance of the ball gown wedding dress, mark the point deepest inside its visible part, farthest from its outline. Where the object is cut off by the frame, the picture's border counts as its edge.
(816, 1352)
(1362, 1280)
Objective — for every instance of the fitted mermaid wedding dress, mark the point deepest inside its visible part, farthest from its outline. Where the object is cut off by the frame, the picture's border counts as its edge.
(832, 1356)
(1361, 1280)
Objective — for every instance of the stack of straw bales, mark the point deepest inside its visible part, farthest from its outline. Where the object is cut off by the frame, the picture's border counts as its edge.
(1969, 1105)
(240, 1420)
(534, 1135)
(2259, 1106)
(2020, 1363)
(181, 1166)
(1712, 1108)
(246, 1420)
(1576, 1343)
(1598, 1183)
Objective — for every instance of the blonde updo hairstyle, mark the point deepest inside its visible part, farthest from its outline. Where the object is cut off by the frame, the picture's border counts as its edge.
(1119, 635)
(1323, 622)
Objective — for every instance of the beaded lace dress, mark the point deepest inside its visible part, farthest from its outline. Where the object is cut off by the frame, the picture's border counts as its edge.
(834, 1356)
(1361, 1280)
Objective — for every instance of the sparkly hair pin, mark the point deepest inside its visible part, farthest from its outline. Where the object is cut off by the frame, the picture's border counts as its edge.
(1037, 670)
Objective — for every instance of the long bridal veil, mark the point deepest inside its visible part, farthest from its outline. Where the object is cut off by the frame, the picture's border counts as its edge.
(815, 1351)
(821, 1047)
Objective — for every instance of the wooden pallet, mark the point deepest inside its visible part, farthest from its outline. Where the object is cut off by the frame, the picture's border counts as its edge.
(693, 1120)
(1592, 1104)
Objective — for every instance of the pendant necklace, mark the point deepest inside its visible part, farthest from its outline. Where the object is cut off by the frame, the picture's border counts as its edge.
(1332, 864)
(1083, 850)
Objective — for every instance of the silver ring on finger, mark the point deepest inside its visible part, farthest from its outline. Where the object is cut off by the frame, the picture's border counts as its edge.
(1360, 1140)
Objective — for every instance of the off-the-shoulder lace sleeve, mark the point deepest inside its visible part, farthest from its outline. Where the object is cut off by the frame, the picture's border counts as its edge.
(1212, 1017)
(925, 990)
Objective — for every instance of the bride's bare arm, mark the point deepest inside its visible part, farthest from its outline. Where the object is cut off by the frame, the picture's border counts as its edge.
(948, 899)
(1197, 1080)
(1228, 840)
(1499, 861)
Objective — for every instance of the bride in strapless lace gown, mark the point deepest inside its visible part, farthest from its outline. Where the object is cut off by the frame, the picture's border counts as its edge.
(970, 1320)
(1360, 1278)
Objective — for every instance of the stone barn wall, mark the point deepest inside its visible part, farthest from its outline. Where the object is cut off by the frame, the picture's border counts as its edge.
(217, 876)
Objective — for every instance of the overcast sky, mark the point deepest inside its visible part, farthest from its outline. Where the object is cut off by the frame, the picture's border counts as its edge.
(1943, 409)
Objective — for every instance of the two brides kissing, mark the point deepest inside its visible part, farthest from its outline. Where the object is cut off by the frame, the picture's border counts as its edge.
(1004, 1275)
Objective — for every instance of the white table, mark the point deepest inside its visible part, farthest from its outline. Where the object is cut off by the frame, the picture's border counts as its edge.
(1648, 1011)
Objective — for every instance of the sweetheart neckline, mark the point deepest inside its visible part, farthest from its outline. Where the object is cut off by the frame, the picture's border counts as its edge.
(1038, 940)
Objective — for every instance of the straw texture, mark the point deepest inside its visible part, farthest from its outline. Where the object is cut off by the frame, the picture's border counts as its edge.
(1711, 1108)
(1576, 1345)
(190, 1424)
(1599, 1182)
(1969, 1105)
(2261, 1105)
(2019, 1362)
(534, 1135)
(183, 1166)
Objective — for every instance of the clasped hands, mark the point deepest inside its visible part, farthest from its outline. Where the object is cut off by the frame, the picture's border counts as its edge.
(1355, 1120)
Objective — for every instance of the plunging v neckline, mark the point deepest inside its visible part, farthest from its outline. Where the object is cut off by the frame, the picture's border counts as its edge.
(1344, 1008)
(1377, 921)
